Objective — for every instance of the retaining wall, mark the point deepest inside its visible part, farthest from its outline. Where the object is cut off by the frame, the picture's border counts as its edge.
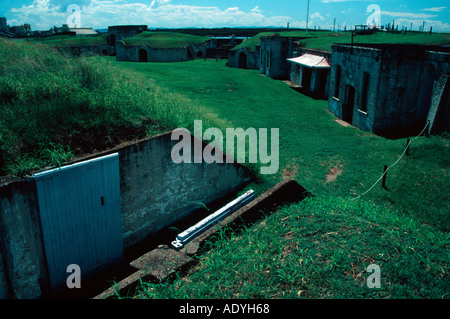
(155, 192)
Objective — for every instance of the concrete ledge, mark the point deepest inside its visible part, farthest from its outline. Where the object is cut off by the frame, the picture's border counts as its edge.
(163, 262)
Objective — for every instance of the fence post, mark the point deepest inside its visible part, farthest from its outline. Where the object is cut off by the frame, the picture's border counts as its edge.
(383, 183)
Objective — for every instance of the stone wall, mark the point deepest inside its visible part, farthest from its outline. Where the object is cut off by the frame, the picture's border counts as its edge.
(155, 192)
(399, 90)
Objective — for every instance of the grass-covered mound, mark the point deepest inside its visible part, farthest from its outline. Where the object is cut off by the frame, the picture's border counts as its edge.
(155, 39)
(66, 40)
(323, 40)
(53, 108)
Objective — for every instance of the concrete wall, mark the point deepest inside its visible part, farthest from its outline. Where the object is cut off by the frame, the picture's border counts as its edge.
(131, 53)
(353, 65)
(155, 192)
(274, 51)
(22, 266)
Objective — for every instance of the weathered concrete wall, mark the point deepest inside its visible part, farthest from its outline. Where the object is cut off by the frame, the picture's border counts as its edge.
(353, 65)
(400, 89)
(274, 51)
(23, 268)
(155, 192)
(132, 53)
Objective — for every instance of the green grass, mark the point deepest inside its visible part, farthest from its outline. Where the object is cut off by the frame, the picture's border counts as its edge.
(319, 248)
(65, 40)
(311, 142)
(165, 39)
(251, 43)
(53, 108)
(322, 40)
(404, 229)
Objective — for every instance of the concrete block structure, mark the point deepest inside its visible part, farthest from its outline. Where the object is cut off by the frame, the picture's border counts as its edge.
(274, 52)
(391, 89)
(121, 32)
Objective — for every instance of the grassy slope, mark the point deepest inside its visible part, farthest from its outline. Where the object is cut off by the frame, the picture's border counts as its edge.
(323, 40)
(410, 217)
(319, 248)
(165, 39)
(53, 108)
(64, 40)
(311, 142)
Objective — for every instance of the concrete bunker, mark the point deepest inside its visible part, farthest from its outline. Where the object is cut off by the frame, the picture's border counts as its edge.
(393, 89)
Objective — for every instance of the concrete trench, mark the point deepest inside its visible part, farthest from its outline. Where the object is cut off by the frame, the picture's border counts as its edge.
(162, 262)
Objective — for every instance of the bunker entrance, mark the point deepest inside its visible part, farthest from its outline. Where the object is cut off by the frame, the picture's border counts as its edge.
(243, 60)
(143, 56)
(347, 108)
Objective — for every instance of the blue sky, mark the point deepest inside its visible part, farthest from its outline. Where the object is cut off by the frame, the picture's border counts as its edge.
(43, 14)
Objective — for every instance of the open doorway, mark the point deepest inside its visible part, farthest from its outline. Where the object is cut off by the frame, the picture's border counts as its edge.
(306, 78)
(143, 56)
(242, 60)
(347, 108)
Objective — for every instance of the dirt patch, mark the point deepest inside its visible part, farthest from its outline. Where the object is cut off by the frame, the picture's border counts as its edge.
(333, 173)
(341, 122)
(290, 172)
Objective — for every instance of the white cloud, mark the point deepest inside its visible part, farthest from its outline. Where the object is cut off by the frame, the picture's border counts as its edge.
(435, 9)
(158, 3)
(256, 9)
(42, 15)
(317, 15)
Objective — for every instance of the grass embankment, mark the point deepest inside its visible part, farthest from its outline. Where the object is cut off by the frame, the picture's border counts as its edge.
(54, 108)
(322, 40)
(154, 39)
(319, 248)
(66, 40)
(406, 233)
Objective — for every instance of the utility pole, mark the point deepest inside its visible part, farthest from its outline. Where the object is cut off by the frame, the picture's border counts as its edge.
(307, 16)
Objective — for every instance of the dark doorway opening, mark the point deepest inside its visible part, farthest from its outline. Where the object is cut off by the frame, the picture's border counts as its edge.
(323, 82)
(347, 108)
(242, 60)
(306, 78)
(143, 56)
